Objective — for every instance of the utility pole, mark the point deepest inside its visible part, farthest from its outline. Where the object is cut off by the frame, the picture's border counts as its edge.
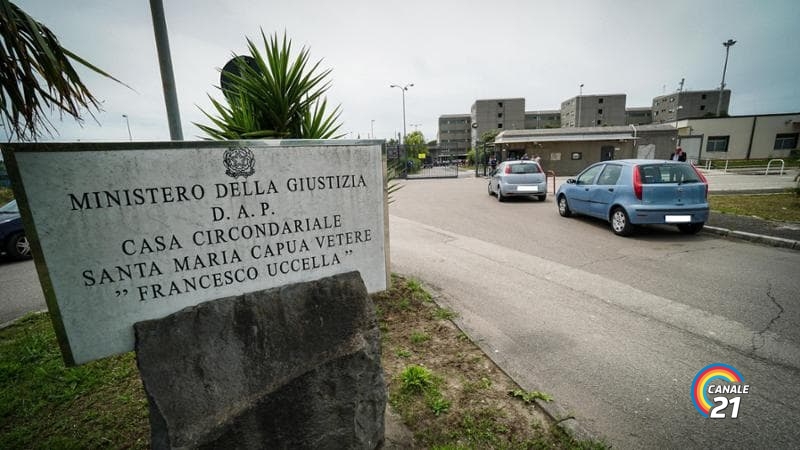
(167, 76)
(728, 44)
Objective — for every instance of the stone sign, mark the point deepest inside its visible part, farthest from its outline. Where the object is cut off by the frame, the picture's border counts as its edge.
(127, 232)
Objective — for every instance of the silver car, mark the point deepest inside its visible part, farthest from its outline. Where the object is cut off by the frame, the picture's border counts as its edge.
(518, 178)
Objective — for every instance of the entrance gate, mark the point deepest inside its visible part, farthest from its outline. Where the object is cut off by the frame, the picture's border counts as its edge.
(420, 166)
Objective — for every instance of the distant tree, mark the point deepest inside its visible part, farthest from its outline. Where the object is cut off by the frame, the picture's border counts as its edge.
(281, 97)
(36, 76)
(415, 143)
(471, 157)
(489, 136)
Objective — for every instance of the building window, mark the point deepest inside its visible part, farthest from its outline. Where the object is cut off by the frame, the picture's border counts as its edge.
(702, 107)
(703, 96)
(499, 125)
(600, 100)
(600, 111)
(499, 115)
(499, 104)
(786, 141)
(599, 121)
(717, 144)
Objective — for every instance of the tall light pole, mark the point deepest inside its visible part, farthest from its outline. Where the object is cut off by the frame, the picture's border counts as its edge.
(403, 90)
(728, 44)
(372, 129)
(130, 137)
(578, 106)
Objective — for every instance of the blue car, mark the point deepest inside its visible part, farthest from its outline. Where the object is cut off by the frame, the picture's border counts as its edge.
(12, 235)
(634, 192)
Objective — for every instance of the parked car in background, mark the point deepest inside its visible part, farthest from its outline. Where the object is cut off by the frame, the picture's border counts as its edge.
(634, 192)
(12, 235)
(518, 178)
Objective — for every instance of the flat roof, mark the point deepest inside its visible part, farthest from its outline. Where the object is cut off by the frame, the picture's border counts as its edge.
(614, 133)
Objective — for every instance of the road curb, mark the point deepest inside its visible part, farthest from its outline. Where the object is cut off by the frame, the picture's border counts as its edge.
(753, 237)
(560, 416)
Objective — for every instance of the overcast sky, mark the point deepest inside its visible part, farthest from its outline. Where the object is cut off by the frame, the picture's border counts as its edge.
(453, 51)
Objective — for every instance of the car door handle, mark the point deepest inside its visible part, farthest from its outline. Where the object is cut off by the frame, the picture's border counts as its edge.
(610, 189)
(586, 189)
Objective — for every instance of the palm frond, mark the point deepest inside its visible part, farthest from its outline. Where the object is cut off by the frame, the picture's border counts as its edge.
(37, 76)
(279, 94)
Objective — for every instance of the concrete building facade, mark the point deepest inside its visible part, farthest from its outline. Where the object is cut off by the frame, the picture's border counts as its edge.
(687, 104)
(454, 133)
(496, 114)
(593, 111)
(535, 120)
(766, 136)
(638, 116)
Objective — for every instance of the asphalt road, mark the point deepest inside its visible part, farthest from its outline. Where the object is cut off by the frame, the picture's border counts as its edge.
(614, 328)
(20, 291)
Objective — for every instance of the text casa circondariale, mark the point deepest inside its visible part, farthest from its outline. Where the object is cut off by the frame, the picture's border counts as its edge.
(283, 246)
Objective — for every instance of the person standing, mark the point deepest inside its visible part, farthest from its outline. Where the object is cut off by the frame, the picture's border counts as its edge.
(679, 155)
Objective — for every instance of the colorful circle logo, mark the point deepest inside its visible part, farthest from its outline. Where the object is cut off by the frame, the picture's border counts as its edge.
(708, 376)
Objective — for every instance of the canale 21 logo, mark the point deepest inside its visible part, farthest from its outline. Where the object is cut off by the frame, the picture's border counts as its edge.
(709, 386)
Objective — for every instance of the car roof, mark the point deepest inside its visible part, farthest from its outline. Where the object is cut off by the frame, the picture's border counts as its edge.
(633, 162)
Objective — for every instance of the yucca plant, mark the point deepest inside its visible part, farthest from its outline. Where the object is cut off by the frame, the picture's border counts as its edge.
(37, 76)
(274, 95)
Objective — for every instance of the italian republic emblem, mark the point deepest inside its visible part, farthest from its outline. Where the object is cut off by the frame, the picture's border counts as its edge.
(239, 162)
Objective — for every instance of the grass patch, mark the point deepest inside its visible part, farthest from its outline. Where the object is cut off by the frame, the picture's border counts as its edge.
(418, 337)
(782, 207)
(530, 396)
(444, 314)
(454, 398)
(44, 404)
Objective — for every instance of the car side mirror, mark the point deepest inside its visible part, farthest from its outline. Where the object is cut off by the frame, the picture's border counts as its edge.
(571, 181)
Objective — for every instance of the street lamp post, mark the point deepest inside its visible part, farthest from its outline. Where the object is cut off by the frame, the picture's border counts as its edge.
(403, 90)
(578, 106)
(130, 137)
(728, 44)
(372, 129)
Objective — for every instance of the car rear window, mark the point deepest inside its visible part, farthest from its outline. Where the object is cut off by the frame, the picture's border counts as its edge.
(668, 173)
(524, 168)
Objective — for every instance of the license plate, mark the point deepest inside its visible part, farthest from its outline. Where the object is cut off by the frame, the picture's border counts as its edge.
(677, 219)
(527, 188)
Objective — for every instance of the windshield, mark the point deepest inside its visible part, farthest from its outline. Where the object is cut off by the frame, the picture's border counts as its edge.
(10, 208)
(668, 173)
(524, 168)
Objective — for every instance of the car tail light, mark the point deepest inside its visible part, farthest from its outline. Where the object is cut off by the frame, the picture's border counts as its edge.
(508, 169)
(702, 177)
(637, 183)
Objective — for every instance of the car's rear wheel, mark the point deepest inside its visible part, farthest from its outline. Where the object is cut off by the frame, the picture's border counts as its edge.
(620, 223)
(690, 228)
(18, 247)
(489, 188)
(563, 207)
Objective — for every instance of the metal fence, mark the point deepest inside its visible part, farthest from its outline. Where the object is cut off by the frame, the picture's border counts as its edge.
(420, 166)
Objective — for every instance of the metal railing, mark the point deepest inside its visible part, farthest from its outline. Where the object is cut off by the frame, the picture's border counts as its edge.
(769, 164)
(711, 163)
